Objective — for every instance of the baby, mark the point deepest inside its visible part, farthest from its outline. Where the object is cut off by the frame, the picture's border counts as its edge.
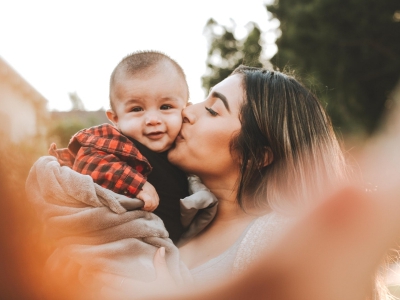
(148, 91)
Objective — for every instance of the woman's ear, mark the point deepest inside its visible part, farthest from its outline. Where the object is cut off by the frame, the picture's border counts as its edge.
(268, 156)
(112, 117)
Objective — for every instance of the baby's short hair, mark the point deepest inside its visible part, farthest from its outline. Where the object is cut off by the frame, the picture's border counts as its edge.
(141, 61)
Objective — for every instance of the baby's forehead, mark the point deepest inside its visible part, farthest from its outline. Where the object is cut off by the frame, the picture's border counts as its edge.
(162, 66)
(125, 79)
(126, 89)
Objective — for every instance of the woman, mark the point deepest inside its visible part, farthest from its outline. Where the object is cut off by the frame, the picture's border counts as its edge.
(261, 133)
(262, 143)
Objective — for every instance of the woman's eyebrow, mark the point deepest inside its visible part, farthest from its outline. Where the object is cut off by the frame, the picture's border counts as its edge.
(223, 99)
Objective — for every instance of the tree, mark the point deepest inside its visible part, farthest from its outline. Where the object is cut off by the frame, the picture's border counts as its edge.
(226, 52)
(61, 131)
(77, 103)
(64, 125)
(349, 50)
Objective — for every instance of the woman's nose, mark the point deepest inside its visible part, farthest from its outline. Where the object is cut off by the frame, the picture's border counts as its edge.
(188, 113)
(153, 119)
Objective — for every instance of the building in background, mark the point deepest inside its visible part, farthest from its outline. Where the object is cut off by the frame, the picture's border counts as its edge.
(23, 111)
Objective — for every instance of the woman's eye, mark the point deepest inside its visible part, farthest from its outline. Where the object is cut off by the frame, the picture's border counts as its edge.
(165, 107)
(136, 109)
(211, 111)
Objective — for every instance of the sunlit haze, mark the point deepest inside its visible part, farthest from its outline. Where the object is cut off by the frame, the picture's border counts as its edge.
(72, 46)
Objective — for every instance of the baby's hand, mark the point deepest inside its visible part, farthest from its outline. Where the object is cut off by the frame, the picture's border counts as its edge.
(149, 196)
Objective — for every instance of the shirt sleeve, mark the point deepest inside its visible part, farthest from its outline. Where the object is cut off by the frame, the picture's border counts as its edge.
(63, 155)
(109, 171)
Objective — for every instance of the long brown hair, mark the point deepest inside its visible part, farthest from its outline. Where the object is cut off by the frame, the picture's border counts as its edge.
(284, 120)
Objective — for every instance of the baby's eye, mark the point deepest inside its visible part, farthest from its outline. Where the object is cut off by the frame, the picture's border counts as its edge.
(211, 111)
(165, 106)
(136, 109)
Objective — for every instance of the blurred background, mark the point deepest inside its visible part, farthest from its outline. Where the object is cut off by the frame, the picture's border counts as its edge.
(56, 58)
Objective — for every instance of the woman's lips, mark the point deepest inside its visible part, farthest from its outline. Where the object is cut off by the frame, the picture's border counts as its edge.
(179, 137)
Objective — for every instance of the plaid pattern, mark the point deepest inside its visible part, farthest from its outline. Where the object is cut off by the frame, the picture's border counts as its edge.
(109, 157)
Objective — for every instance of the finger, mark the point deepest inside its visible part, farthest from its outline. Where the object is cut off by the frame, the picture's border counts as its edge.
(149, 206)
(154, 204)
(149, 209)
(146, 199)
(161, 267)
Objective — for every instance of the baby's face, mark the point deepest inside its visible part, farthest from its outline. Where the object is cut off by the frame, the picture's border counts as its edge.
(148, 107)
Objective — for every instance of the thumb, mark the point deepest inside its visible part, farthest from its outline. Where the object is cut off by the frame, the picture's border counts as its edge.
(161, 267)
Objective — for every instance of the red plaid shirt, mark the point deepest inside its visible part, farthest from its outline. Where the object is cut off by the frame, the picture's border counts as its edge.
(109, 157)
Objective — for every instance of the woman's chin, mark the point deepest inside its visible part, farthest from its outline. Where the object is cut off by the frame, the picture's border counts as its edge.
(174, 154)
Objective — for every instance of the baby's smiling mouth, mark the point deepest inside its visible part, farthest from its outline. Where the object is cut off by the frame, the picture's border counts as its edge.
(155, 135)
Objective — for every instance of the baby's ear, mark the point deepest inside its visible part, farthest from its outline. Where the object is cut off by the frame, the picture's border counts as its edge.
(112, 117)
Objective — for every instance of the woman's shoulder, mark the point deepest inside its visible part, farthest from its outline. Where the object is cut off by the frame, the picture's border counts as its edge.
(262, 233)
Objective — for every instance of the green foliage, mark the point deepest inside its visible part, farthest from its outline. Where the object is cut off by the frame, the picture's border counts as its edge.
(349, 50)
(226, 52)
(64, 125)
(62, 131)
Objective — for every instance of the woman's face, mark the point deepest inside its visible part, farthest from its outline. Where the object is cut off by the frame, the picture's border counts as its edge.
(203, 145)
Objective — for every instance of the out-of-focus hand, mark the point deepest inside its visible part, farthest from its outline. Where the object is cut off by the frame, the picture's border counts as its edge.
(121, 288)
(149, 196)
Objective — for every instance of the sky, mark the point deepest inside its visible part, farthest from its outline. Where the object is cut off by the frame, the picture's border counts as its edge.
(61, 47)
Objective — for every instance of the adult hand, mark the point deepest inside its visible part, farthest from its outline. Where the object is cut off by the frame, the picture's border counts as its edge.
(332, 252)
(123, 288)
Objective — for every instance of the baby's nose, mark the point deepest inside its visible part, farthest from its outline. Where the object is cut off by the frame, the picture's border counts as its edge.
(153, 119)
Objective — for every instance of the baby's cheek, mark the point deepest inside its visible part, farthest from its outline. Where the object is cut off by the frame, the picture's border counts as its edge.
(175, 124)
